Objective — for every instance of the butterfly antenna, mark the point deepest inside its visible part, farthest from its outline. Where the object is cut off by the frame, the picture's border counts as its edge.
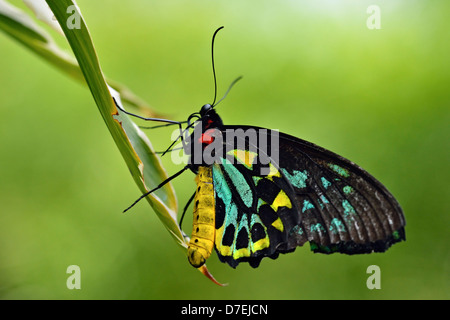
(161, 125)
(214, 73)
(213, 67)
(228, 90)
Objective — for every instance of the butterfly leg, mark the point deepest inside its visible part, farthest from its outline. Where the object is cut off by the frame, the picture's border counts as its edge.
(159, 186)
(185, 209)
(147, 119)
(168, 123)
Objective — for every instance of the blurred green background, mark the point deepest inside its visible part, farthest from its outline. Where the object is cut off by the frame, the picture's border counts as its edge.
(311, 69)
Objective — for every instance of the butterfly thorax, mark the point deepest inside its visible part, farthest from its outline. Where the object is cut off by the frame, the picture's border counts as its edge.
(203, 135)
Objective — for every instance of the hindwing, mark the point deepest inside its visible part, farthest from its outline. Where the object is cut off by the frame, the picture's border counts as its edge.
(254, 213)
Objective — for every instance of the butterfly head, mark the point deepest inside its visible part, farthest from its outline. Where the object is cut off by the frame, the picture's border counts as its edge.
(209, 117)
(205, 109)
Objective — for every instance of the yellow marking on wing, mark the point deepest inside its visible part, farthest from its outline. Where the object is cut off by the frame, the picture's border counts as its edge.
(245, 157)
(240, 253)
(278, 224)
(274, 172)
(223, 250)
(261, 244)
(282, 200)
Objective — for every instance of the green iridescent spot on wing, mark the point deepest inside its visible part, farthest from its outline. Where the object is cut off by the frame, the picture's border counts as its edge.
(225, 235)
(318, 227)
(350, 215)
(326, 184)
(297, 178)
(296, 230)
(397, 235)
(220, 184)
(324, 199)
(347, 189)
(239, 182)
(337, 226)
(307, 205)
(348, 208)
(227, 211)
(339, 170)
(256, 179)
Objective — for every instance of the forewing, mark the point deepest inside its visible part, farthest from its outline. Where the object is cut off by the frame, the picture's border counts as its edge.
(344, 209)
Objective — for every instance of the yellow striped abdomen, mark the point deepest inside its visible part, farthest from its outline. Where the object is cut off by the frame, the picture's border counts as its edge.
(203, 226)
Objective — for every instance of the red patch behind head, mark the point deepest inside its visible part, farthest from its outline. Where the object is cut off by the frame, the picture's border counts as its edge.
(206, 137)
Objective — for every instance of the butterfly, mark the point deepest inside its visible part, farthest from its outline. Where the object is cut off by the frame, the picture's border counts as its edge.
(261, 192)
(248, 209)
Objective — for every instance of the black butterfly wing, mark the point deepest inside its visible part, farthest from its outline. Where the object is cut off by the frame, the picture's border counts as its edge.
(339, 206)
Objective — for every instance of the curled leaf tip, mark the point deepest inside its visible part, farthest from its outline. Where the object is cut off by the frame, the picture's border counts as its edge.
(203, 269)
